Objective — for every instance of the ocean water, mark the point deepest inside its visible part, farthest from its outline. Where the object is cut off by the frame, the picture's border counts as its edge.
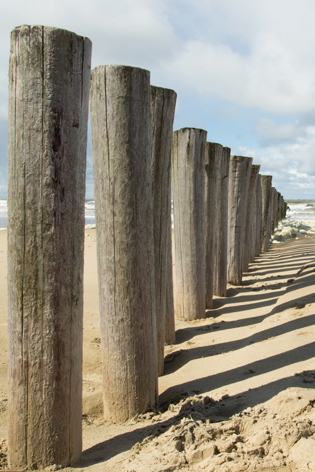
(300, 220)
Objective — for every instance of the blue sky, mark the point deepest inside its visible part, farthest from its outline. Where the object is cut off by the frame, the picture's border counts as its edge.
(243, 70)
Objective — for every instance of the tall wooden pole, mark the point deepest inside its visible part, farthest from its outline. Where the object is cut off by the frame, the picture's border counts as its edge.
(49, 79)
(239, 175)
(258, 217)
(170, 336)
(266, 211)
(120, 120)
(162, 112)
(214, 153)
(273, 208)
(188, 179)
(221, 225)
(251, 217)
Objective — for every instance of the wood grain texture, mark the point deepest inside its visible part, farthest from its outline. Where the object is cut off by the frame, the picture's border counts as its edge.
(258, 217)
(170, 335)
(49, 78)
(214, 153)
(120, 120)
(272, 209)
(239, 175)
(162, 110)
(188, 181)
(251, 219)
(221, 226)
(266, 211)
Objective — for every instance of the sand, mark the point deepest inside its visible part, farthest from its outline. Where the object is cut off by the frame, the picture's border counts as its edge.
(238, 390)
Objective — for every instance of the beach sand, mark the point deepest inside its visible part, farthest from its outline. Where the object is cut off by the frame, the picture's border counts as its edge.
(238, 390)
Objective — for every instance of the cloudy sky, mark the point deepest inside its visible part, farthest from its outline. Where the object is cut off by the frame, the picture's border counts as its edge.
(243, 70)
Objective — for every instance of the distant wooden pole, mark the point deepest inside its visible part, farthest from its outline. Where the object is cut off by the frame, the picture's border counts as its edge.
(170, 336)
(258, 237)
(266, 211)
(214, 153)
(273, 208)
(162, 111)
(251, 219)
(239, 175)
(120, 121)
(279, 208)
(188, 179)
(49, 79)
(221, 225)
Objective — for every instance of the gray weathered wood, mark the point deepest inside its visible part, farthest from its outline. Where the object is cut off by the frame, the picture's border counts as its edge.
(278, 208)
(221, 225)
(214, 153)
(273, 208)
(188, 180)
(120, 121)
(162, 111)
(170, 336)
(251, 217)
(266, 211)
(258, 217)
(49, 80)
(239, 175)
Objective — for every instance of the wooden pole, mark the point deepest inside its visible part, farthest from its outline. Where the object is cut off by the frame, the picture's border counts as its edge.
(258, 217)
(214, 153)
(279, 208)
(266, 211)
(49, 78)
(221, 225)
(239, 175)
(251, 219)
(162, 111)
(188, 179)
(120, 121)
(273, 208)
(170, 336)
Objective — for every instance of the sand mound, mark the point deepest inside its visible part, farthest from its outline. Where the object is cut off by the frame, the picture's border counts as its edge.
(191, 435)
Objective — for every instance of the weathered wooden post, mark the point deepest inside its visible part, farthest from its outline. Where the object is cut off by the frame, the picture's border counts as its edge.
(214, 153)
(239, 174)
(258, 217)
(266, 211)
(188, 179)
(49, 79)
(120, 121)
(162, 111)
(273, 208)
(251, 219)
(279, 208)
(170, 336)
(221, 224)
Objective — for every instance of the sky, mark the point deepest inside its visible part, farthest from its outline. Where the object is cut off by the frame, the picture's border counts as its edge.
(243, 70)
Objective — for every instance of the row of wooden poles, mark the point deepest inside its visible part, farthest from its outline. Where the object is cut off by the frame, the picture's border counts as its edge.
(224, 212)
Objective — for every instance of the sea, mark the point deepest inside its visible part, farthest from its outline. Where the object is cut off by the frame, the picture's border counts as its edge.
(300, 219)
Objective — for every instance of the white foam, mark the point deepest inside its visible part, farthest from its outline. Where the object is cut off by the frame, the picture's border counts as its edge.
(289, 228)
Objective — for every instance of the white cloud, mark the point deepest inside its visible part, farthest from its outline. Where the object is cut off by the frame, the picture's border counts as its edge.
(292, 166)
(256, 54)
(275, 73)
(270, 132)
(243, 151)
